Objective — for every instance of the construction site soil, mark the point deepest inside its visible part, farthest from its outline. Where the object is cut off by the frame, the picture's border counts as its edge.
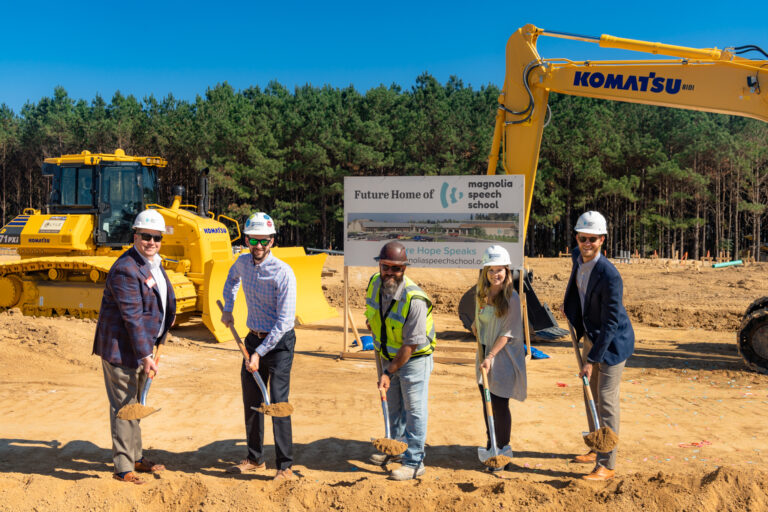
(692, 436)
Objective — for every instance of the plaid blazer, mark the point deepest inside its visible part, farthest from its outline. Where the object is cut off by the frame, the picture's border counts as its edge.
(131, 312)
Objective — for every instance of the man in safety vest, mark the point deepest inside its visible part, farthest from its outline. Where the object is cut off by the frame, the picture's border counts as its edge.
(399, 314)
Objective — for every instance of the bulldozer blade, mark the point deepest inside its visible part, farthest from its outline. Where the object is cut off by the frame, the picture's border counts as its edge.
(215, 275)
(311, 304)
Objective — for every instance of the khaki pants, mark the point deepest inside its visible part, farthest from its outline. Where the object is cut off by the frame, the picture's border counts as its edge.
(604, 384)
(123, 387)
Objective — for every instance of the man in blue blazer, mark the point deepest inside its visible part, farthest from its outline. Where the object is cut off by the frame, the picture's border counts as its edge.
(593, 305)
(137, 310)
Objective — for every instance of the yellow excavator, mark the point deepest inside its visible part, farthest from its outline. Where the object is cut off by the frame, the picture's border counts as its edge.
(66, 252)
(704, 79)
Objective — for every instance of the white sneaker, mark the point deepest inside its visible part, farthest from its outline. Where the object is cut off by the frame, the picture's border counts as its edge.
(406, 473)
(379, 458)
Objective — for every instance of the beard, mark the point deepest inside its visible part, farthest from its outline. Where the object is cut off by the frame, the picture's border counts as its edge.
(390, 285)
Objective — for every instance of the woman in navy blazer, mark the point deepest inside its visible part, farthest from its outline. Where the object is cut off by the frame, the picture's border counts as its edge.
(593, 306)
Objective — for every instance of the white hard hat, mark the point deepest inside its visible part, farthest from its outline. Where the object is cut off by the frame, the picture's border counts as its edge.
(150, 219)
(592, 223)
(496, 255)
(259, 224)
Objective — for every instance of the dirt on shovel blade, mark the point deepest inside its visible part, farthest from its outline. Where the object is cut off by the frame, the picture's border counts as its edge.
(603, 440)
(389, 446)
(134, 412)
(498, 461)
(279, 409)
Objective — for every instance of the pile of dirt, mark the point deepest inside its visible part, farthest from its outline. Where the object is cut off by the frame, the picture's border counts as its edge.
(718, 490)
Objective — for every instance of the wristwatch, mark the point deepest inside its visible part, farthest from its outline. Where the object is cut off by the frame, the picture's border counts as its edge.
(387, 373)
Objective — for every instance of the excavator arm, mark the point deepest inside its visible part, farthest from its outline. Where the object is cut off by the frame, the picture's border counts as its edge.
(704, 79)
(708, 80)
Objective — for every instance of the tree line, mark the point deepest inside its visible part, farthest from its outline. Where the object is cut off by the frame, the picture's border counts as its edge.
(667, 180)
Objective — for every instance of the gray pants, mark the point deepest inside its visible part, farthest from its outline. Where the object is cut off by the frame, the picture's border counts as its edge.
(123, 386)
(604, 384)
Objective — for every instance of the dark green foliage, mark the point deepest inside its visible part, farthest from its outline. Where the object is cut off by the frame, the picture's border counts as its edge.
(668, 180)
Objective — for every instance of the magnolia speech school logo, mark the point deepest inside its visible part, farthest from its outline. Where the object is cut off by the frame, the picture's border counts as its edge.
(444, 197)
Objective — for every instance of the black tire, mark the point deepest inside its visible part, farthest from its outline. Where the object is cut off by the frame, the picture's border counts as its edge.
(752, 340)
(760, 303)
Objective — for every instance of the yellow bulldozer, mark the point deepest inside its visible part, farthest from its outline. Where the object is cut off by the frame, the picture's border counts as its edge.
(66, 251)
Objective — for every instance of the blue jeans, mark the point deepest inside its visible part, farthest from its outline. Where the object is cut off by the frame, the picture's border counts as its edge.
(407, 401)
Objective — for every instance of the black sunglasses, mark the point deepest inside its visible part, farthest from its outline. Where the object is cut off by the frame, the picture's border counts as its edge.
(256, 241)
(392, 268)
(147, 237)
(592, 239)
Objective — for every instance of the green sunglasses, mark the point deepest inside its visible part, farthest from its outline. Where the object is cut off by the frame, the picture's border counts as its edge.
(256, 241)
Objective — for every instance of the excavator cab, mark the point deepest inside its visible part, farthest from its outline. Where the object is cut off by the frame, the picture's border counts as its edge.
(113, 191)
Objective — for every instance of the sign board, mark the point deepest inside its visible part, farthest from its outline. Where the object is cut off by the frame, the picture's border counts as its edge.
(443, 221)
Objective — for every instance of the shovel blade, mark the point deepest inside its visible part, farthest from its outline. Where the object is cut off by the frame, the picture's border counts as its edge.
(484, 454)
(135, 412)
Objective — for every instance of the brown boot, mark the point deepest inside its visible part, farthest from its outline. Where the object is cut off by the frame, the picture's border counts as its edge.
(147, 466)
(284, 474)
(600, 474)
(246, 466)
(587, 458)
(129, 477)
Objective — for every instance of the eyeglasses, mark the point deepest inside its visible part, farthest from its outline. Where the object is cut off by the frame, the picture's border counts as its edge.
(147, 237)
(392, 268)
(256, 241)
(583, 239)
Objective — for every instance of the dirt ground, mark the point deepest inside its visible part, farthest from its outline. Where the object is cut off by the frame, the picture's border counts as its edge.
(694, 419)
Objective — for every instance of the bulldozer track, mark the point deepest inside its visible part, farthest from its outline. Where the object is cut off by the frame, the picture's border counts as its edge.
(70, 286)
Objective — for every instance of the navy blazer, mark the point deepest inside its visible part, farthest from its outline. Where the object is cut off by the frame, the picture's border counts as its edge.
(606, 321)
(131, 312)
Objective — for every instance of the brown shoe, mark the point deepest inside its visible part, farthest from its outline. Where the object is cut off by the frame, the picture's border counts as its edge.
(147, 466)
(284, 474)
(129, 477)
(587, 458)
(600, 474)
(246, 466)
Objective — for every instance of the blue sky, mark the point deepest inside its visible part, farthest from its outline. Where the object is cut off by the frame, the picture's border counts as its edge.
(144, 48)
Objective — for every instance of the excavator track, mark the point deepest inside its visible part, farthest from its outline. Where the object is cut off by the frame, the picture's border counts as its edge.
(70, 286)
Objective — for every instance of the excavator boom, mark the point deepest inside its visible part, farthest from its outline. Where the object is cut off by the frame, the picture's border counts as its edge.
(703, 79)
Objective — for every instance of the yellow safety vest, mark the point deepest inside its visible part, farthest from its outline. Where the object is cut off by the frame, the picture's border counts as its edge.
(395, 318)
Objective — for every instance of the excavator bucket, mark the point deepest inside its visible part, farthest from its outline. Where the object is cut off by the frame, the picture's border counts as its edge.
(311, 304)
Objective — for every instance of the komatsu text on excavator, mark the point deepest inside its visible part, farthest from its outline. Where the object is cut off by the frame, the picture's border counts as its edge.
(704, 79)
(66, 252)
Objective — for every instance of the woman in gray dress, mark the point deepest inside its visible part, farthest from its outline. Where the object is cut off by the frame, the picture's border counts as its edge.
(499, 329)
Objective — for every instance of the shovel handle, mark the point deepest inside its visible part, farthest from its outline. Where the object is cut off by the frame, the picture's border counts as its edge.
(247, 358)
(385, 412)
(156, 357)
(489, 412)
(585, 380)
(239, 341)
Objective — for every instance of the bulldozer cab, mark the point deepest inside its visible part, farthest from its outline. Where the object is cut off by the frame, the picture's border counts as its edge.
(115, 192)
